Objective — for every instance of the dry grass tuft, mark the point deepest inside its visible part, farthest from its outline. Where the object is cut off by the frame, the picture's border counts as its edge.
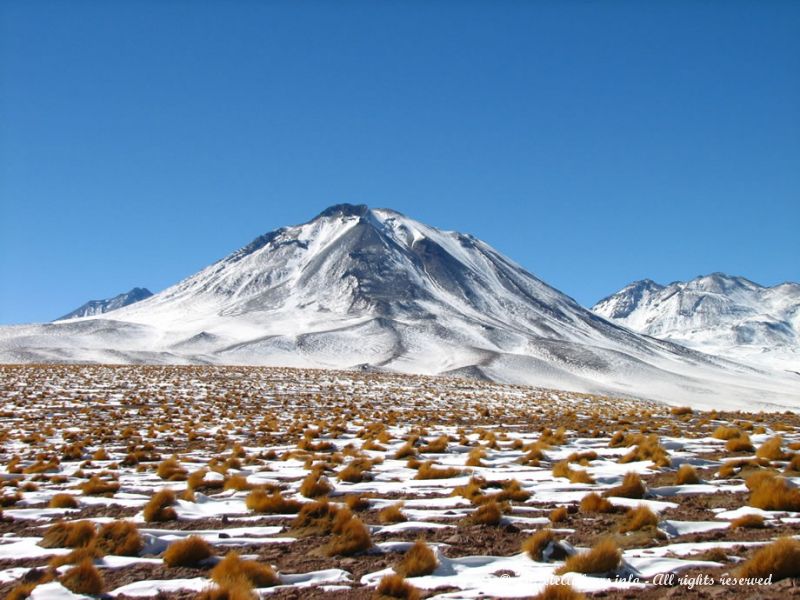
(171, 470)
(84, 578)
(562, 469)
(188, 552)
(558, 515)
(357, 502)
(63, 501)
(159, 508)
(418, 561)
(740, 444)
(99, 487)
(427, 470)
(771, 449)
(395, 587)
(69, 534)
(595, 503)
(489, 513)
(536, 545)
(350, 538)
(773, 493)
(748, 522)
(236, 591)
(559, 591)
(392, 514)
(315, 485)
(120, 538)
(631, 487)
(261, 502)
(437, 446)
(648, 448)
(232, 570)
(781, 559)
(726, 433)
(687, 475)
(639, 518)
(603, 557)
(236, 482)
(318, 518)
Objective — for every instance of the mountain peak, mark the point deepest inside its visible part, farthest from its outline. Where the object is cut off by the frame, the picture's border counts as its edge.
(344, 210)
(715, 313)
(98, 307)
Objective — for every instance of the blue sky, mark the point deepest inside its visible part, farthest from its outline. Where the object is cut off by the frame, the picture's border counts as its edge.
(593, 142)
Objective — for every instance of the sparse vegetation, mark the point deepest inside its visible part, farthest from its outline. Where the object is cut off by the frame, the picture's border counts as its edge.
(603, 558)
(395, 587)
(419, 560)
(257, 436)
(781, 559)
(188, 552)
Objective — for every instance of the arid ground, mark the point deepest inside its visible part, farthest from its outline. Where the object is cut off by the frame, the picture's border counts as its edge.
(226, 482)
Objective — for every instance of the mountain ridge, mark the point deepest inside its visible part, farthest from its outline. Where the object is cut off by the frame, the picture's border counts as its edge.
(356, 287)
(717, 313)
(97, 307)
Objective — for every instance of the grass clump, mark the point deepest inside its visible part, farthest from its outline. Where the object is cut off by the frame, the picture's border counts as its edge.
(771, 449)
(171, 470)
(84, 578)
(232, 570)
(392, 514)
(159, 508)
(188, 552)
(437, 446)
(740, 444)
(773, 493)
(349, 538)
(418, 561)
(489, 513)
(315, 485)
(395, 587)
(318, 518)
(559, 591)
(650, 449)
(595, 503)
(686, 475)
(235, 591)
(604, 557)
(541, 546)
(261, 502)
(639, 518)
(356, 471)
(427, 470)
(781, 559)
(726, 433)
(120, 538)
(631, 487)
(562, 469)
(99, 487)
(558, 515)
(748, 522)
(63, 501)
(68, 534)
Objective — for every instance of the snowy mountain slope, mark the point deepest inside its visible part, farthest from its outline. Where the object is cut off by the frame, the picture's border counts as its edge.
(98, 307)
(365, 288)
(717, 314)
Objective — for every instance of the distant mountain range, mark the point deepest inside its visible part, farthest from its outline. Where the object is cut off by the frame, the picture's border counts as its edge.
(99, 307)
(718, 314)
(373, 289)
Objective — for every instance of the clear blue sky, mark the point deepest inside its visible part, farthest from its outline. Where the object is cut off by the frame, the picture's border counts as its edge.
(593, 142)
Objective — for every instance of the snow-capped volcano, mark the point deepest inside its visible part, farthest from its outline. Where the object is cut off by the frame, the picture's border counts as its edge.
(98, 307)
(372, 288)
(718, 314)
